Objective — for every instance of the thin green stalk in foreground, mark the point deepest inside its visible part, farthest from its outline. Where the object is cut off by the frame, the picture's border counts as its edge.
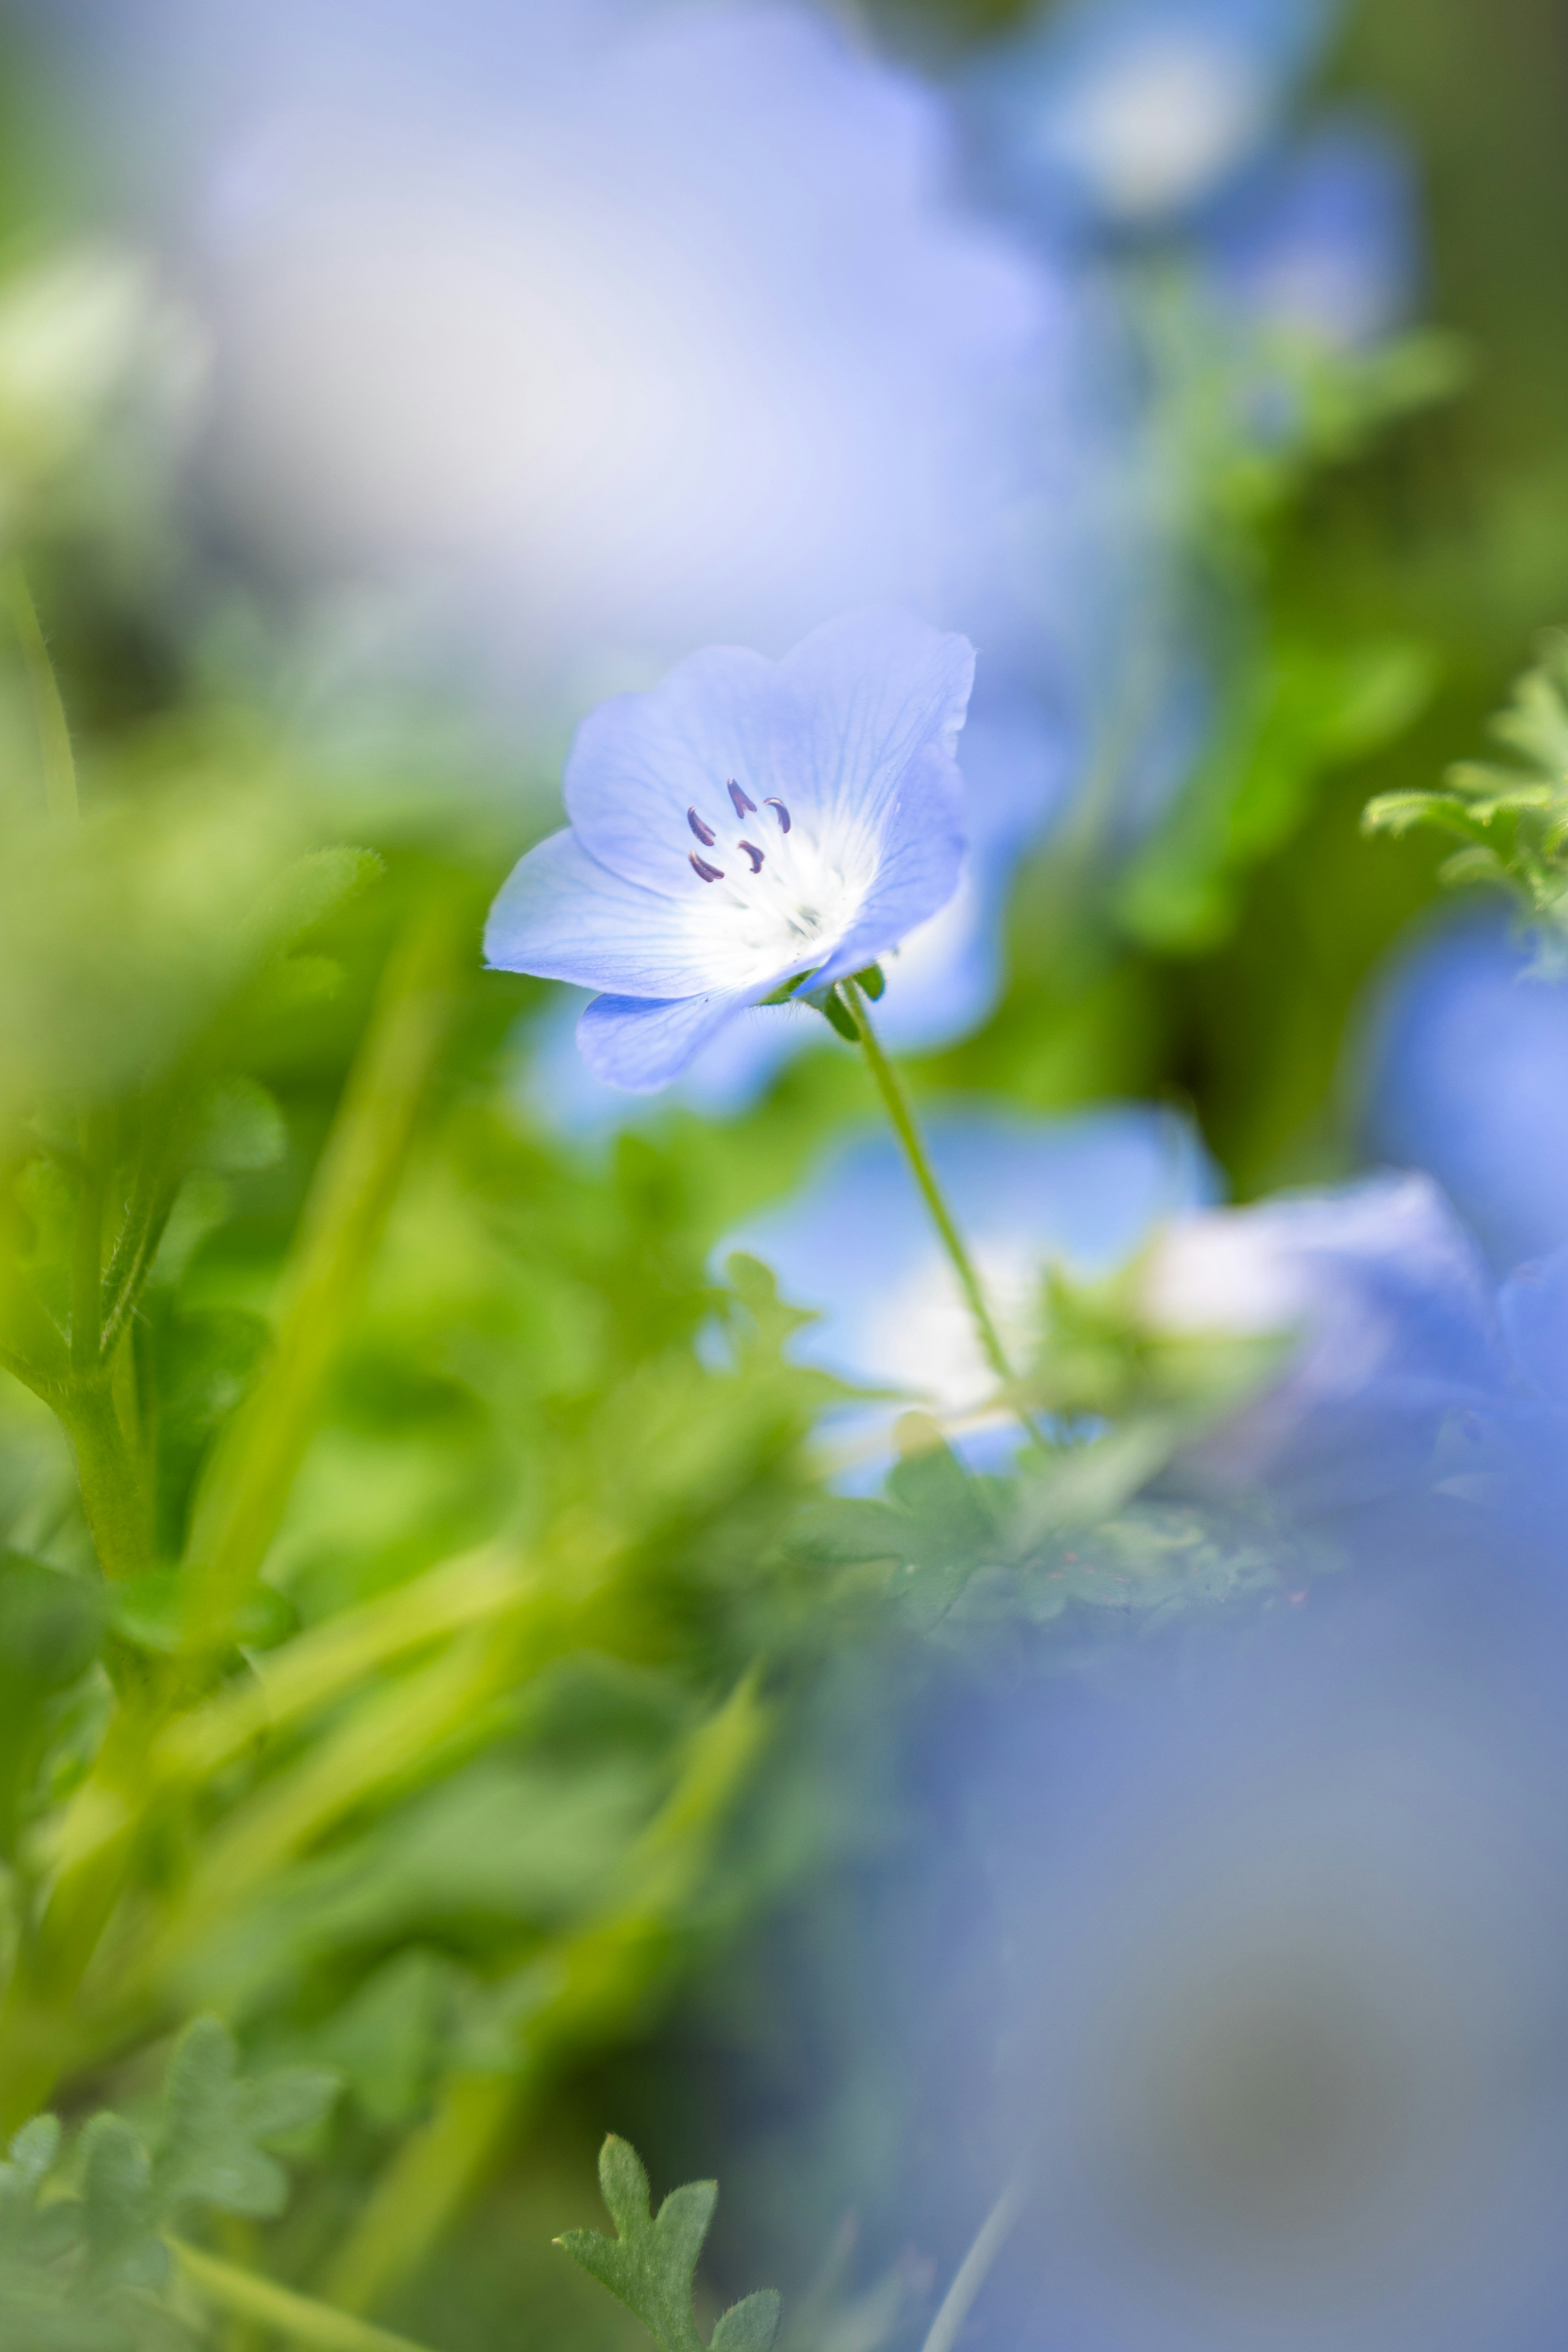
(48, 710)
(249, 1480)
(974, 2268)
(279, 2310)
(896, 1104)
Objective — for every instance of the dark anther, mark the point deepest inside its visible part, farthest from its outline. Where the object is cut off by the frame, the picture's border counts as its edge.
(705, 833)
(744, 806)
(754, 854)
(708, 873)
(783, 814)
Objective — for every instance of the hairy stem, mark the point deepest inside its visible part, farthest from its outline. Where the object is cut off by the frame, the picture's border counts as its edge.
(114, 1492)
(277, 2308)
(896, 1104)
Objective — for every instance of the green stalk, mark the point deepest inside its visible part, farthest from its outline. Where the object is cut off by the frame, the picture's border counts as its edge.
(895, 1102)
(247, 1485)
(114, 1494)
(48, 710)
(299, 2317)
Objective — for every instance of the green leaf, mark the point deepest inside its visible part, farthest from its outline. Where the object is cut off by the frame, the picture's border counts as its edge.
(748, 2327)
(119, 2210)
(651, 2263)
(1513, 819)
(215, 2124)
(33, 2154)
(239, 1129)
(837, 1014)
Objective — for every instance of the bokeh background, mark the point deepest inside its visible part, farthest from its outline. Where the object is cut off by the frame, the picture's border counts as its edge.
(533, 1349)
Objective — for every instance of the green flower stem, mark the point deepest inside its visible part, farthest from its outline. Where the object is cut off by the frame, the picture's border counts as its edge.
(247, 1485)
(48, 711)
(604, 1975)
(298, 2317)
(974, 2268)
(896, 1104)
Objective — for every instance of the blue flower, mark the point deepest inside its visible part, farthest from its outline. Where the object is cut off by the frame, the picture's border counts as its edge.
(943, 979)
(1255, 1953)
(742, 826)
(1324, 241)
(856, 1245)
(540, 305)
(1130, 115)
(1397, 1334)
(1466, 1075)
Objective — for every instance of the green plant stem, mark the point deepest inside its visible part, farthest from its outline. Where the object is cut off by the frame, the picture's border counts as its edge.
(87, 1258)
(296, 2316)
(604, 1975)
(114, 1493)
(244, 1495)
(48, 710)
(974, 2268)
(896, 1104)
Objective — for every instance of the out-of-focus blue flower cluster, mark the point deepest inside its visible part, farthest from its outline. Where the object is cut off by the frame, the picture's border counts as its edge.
(1249, 1972)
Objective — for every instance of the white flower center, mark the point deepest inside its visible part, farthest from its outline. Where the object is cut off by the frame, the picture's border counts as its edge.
(776, 893)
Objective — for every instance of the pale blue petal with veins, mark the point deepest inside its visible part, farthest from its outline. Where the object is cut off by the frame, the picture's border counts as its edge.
(743, 824)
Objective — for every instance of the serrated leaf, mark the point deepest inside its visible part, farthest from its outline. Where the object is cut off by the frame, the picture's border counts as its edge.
(651, 2265)
(214, 2122)
(33, 2154)
(750, 2326)
(119, 2209)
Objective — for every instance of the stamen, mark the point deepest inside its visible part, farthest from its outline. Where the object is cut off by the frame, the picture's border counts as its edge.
(705, 833)
(743, 804)
(708, 872)
(754, 854)
(783, 814)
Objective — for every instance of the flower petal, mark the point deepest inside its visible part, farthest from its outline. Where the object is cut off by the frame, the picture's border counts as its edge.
(921, 864)
(640, 1043)
(564, 916)
(871, 695)
(639, 761)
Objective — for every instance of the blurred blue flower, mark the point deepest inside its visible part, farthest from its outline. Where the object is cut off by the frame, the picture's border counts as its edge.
(1398, 1333)
(634, 327)
(1465, 1073)
(1132, 115)
(855, 1245)
(743, 824)
(1254, 1957)
(1322, 241)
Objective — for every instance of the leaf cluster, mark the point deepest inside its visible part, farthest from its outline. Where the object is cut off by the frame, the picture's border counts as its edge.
(1511, 819)
(1106, 1407)
(79, 2257)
